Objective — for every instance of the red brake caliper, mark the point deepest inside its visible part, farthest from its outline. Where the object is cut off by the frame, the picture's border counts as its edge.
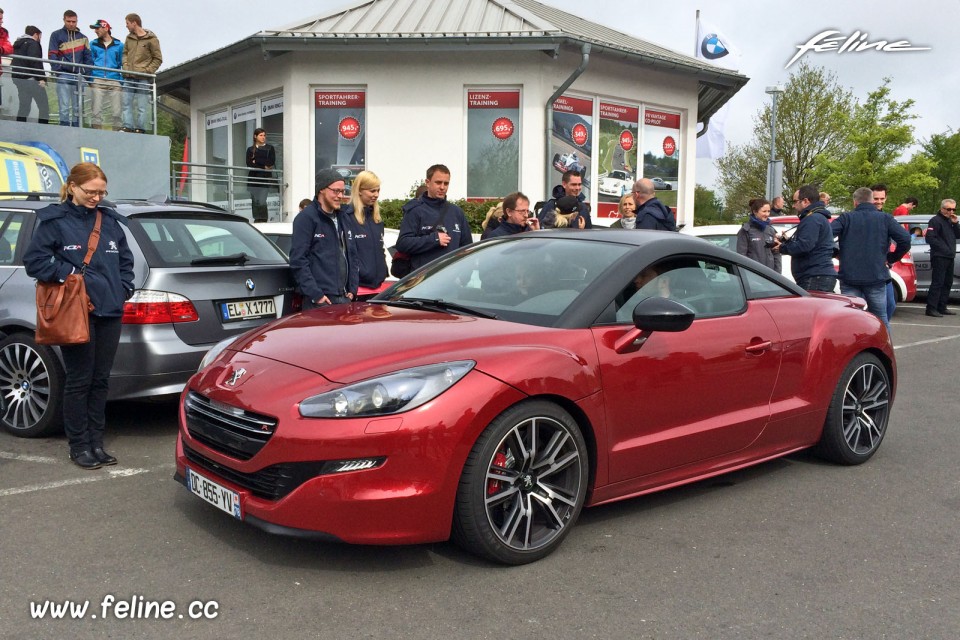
(499, 460)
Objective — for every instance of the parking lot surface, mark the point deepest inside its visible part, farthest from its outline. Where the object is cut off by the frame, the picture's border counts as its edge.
(794, 548)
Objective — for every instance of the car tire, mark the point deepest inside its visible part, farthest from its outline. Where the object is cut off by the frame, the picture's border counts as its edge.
(859, 413)
(523, 485)
(31, 387)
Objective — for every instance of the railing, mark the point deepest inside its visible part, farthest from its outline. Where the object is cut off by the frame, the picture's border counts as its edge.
(226, 186)
(106, 105)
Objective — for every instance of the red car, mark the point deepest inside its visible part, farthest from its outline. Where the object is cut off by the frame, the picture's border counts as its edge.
(494, 393)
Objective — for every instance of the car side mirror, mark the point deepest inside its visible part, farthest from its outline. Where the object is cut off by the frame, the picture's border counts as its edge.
(654, 314)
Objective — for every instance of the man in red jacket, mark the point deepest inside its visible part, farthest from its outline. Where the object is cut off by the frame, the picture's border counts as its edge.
(5, 47)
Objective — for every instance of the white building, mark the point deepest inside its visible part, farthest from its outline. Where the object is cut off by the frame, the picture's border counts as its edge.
(398, 85)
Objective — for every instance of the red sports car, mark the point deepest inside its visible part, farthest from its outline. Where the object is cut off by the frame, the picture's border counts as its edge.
(494, 393)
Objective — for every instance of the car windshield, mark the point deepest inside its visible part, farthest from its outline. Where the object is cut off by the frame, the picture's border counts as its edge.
(185, 240)
(532, 280)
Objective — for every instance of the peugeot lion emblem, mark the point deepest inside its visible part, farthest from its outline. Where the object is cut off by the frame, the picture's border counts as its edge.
(239, 373)
(250, 285)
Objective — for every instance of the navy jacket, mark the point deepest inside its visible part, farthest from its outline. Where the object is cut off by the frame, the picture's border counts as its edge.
(811, 247)
(69, 46)
(315, 252)
(942, 237)
(506, 229)
(59, 246)
(653, 214)
(548, 212)
(419, 237)
(368, 240)
(865, 236)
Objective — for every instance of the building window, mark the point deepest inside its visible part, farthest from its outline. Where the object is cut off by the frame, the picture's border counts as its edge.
(493, 143)
(619, 139)
(661, 153)
(572, 140)
(340, 131)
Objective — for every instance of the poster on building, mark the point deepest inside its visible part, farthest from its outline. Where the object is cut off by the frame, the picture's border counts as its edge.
(618, 141)
(340, 132)
(572, 139)
(493, 143)
(661, 153)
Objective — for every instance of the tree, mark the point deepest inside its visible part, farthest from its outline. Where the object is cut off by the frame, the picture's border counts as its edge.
(877, 135)
(707, 208)
(943, 150)
(812, 117)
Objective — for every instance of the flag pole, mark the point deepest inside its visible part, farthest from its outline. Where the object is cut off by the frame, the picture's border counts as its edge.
(696, 34)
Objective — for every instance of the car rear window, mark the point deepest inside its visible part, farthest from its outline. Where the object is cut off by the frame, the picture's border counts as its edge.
(177, 240)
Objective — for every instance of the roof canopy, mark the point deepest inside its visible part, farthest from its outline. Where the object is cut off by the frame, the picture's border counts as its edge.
(446, 25)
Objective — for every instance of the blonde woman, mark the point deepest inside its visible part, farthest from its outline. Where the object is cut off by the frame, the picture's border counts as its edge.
(366, 226)
(628, 213)
(492, 220)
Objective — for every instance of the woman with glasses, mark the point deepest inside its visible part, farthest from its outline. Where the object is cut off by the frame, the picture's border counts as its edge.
(58, 248)
(367, 228)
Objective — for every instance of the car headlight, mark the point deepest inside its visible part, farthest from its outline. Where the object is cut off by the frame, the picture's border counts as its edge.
(392, 393)
(215, 350)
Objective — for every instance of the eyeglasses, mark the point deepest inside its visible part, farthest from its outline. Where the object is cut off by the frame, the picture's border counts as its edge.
(336, 192)
(523, 211)
(93, 194)
(949, 208)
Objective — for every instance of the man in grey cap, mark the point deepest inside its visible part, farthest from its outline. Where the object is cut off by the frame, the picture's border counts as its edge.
(322, 253)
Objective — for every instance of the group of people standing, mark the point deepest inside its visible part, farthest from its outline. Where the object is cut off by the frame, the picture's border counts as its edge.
(119, 88)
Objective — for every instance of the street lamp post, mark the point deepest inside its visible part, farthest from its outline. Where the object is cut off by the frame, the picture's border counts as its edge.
(774, 166)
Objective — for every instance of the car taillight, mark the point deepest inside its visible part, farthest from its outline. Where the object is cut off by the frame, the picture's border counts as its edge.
(296, 302)
(907, 258)
(158, 307)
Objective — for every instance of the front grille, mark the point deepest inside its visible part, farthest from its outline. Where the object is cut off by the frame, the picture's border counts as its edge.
(228, 430)
(270, 483)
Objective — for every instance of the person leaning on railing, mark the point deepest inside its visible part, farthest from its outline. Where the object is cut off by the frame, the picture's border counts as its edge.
(29, 76)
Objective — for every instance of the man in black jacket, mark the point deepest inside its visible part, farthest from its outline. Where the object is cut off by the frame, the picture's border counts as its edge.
(29, 76)
(651, 213)
(942, 234)
(322, 253)
(431, 226)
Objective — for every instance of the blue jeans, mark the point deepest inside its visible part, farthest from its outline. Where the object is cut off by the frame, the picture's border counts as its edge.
(68, 99)
(818, 283)
(875, 295)
(87, 368)
(136, 102)
(891, 300)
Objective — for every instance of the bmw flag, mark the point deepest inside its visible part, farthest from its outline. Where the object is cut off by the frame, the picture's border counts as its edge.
(715, 48)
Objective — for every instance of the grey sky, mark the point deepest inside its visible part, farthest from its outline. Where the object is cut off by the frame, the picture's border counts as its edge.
(766, 33)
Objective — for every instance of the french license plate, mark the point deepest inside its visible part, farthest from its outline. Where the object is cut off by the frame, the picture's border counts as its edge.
(248, 309)
(209, 491)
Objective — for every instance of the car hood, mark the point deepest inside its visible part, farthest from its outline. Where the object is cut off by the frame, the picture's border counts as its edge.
(351, 342)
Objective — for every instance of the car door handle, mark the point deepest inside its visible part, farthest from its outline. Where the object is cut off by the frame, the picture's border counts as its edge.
(758, 347)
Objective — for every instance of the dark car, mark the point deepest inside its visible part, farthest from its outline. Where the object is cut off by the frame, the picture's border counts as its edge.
(921, 254)
(492, 394)
(202, 274)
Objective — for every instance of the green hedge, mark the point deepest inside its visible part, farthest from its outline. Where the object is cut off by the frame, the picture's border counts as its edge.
(390, 211)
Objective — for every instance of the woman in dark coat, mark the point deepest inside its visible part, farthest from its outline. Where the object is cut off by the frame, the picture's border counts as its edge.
(757, 238)
(367, 229)
(262, 158)
(58, 248)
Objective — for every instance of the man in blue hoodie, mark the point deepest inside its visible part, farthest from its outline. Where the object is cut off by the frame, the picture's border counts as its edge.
(106, 51)
(865, 257)
(811, 246)
(431, 226)
(322, 252)
(69, 45)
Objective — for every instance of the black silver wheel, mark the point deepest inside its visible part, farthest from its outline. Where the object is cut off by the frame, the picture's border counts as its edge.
(859, 412)
(31, 387)
(523, 486)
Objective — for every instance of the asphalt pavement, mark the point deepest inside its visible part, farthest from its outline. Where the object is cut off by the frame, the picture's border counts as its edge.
(794, 548)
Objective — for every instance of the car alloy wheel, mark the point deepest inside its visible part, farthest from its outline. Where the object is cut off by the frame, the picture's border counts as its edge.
(31, 387)
(523, 486)
(859, 412)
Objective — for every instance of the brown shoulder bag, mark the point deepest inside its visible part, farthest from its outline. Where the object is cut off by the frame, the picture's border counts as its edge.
(63, 308)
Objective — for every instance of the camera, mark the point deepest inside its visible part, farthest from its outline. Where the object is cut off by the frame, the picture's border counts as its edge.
(440, 228)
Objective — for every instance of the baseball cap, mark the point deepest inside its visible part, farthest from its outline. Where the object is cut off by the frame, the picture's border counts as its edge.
(568, 204)
(101, 24)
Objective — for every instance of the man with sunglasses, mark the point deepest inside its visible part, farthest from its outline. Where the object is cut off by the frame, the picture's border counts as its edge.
(322, 253)
(942, 233)
(811, 246)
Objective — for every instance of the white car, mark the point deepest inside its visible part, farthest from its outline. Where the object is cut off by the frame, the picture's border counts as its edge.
(617, 183)
(725, 235)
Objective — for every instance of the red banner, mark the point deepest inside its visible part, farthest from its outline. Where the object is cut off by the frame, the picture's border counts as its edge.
(612, 111)
(661, 119)
(579, 106)
(493, 99)
(340, 99)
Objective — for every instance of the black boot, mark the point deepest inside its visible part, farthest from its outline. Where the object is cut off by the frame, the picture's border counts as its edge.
(103, 457)
(85, 460)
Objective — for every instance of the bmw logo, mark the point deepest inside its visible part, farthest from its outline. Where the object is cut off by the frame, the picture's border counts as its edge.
(250, 285)
(712, 47)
